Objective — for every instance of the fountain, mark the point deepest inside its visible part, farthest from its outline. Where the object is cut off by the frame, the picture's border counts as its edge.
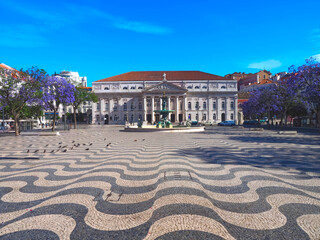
(164, 113)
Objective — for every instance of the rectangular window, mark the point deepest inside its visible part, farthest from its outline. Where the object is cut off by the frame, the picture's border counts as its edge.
(232, 105)
(214, 105)
(223, 105)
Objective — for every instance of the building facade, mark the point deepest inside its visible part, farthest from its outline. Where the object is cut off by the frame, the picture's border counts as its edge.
(194, 96)
(73, 77)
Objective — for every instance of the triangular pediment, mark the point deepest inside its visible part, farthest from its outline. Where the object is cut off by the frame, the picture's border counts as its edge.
(165, 86)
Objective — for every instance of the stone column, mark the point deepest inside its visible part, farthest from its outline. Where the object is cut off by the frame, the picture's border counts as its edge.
(185, 107)
(169, 106)
(218, 105)
(144, 108)
(226, 108)
(236, 111)
(177, 109)
(210, 109)
(120, 118)
(102, 110)
(152, 109)
(94, 112)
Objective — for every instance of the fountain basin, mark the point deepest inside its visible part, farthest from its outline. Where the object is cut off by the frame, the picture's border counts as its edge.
(153, 128)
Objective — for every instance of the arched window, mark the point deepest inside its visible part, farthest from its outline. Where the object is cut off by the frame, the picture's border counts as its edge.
(139, 87)
(204, 87)
(196, 87)
(189, 117)
(197, 105)
(189, 105)
(204, 117)
(125, 88)
(189, 87)
(106, 88)
(214, 116)
(125, 106)
(223, 87)
(133, 87)
(204, 105)
(231, 116)
(232, 104)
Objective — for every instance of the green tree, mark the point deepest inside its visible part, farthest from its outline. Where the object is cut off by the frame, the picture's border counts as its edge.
(81, 95)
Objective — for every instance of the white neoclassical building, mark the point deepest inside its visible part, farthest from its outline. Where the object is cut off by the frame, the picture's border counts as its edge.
(194, 96)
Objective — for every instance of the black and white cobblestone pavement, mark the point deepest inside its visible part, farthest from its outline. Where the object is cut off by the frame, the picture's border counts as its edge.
(103, 183)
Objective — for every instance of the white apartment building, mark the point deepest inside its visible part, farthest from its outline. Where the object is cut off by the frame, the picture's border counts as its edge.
(194, 96)
(73, 77)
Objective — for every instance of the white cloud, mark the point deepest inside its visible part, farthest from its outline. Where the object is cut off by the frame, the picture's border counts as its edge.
(142, 27)
(268, 65)
(315, 37)
(118, 22)
(21, 36)
(316, 57)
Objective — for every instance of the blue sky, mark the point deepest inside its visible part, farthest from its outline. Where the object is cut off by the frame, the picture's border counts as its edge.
(100, 39)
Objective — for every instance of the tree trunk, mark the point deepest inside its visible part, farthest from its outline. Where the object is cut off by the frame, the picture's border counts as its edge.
(54, 120)
(75, 117)
(16, 125)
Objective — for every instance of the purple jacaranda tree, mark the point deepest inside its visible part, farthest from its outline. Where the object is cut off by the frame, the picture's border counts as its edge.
(56, 91)
(19, 89)
(307, 79)
(262, 102)
(286, 95)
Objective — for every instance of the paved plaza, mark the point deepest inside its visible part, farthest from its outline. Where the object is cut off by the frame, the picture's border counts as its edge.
(104, 183)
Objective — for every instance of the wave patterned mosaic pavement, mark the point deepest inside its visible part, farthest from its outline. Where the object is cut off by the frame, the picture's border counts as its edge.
(102, 183)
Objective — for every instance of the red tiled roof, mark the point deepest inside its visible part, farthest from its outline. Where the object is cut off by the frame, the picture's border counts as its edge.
(158, 76)
(6, 66)
(242, 100)
(265, 81)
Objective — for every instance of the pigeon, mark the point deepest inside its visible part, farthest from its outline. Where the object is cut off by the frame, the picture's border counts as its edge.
(47, 145)
(64, 150)
(87, 149)
(52, 151)
(73, 141)
(30, 145)
(65, 146)
(59, 146)
(135, 140)
(71, 148)
(105, 139)
(83, 144)
(44, 151)
(60, 142)
(36, 151)
(28, 151)
(143, 139)
(90, 144)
